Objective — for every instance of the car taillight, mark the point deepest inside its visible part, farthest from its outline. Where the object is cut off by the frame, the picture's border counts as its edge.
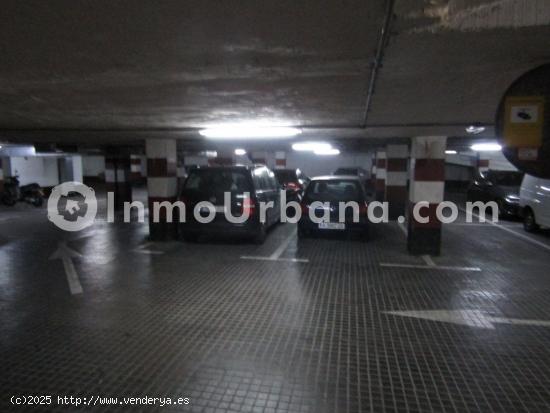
(249, 207)
(293, 185)
(363, 208)
(305, 209)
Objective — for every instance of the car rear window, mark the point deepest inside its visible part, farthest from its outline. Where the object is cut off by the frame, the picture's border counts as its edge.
(334, 191)
(218, 180)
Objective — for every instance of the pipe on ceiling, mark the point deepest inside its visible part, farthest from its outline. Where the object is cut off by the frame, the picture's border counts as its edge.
(378, 58)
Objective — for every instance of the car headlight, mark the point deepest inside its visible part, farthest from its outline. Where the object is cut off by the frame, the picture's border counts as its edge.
(512, 199)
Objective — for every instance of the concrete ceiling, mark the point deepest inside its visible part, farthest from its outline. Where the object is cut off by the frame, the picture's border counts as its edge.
(104, 71)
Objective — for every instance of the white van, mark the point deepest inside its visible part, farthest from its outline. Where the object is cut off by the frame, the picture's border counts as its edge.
(534, 202)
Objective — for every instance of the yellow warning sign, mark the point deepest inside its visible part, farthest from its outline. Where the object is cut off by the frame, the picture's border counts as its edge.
(523, 121)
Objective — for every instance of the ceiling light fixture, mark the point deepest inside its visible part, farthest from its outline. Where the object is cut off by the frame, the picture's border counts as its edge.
(240, 152)
(475, 129)
(450, 152)
(249, 132)
(331, 151)
(311, 146)
(486, 147)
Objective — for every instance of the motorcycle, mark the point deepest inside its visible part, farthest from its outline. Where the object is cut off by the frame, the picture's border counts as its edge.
(13, 192)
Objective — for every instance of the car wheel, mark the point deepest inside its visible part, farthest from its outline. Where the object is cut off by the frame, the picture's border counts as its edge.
(529, 221)
(261, 234)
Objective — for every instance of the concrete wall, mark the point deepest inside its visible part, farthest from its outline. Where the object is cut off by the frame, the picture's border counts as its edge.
(40, 169)
(315, 165)
(93, 166)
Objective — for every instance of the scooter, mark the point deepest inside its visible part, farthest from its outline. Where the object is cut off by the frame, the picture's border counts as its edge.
(31, 193)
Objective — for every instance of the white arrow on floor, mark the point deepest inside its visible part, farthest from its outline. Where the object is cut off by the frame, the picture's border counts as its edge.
(67, 254)
(471, 318)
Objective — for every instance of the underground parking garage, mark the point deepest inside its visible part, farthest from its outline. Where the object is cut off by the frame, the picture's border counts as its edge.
(275, 206)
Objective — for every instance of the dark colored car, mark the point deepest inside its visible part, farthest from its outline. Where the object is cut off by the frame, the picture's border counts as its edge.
(211, 183)
(501, 187)
(293, 181)
(333, 190)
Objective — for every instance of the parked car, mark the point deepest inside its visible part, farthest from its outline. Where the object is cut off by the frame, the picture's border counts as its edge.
(333, 190)
(14, 192)
(534, 202)
(293, 181)
(501, 187)
(210, 184)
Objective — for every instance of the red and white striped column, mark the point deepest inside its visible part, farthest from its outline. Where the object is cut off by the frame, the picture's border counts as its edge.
(483, 164)
(161, 185)
(397, 163)
(280, 160)
(135, 168)
(380, 187)
(117, 178)
(426, 193)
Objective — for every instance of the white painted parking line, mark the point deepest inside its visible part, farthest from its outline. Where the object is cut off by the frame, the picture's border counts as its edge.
(430, 263)
(517, 234)
(142, 249)
(278, 252)
(430, 267)
(428, 260)
(66, 254)
(402, 228)
(247, 257)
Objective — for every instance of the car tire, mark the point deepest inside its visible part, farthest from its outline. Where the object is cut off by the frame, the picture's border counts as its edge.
(529, 221)
(261, 234)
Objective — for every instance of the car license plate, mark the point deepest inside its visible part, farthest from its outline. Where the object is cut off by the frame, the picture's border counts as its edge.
(332, 225)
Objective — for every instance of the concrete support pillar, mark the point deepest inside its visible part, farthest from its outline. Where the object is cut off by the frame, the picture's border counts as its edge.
(483, 164)
(427, 186)
(117, 178)
(280, 160)
(380, 187)
(396, 180)
(135, 169)
(373, 171)
(161, 185)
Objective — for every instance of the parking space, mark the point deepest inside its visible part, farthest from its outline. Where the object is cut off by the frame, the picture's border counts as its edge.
(264, 207)
(319, 325)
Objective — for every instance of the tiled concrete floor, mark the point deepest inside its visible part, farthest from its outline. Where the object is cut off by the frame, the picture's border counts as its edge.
(197, 321)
